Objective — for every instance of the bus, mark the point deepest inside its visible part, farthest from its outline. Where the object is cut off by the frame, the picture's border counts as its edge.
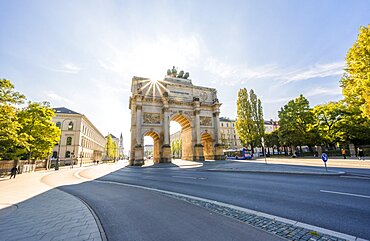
(238, 154)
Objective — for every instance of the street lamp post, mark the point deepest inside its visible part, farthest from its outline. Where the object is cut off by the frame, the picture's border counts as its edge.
(60, 142)
(72, 158)
(81, 153)
(264, 149)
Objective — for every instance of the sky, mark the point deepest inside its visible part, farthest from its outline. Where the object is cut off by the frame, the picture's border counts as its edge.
(83, 54)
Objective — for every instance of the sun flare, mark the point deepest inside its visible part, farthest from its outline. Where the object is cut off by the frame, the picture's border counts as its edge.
(153, 88)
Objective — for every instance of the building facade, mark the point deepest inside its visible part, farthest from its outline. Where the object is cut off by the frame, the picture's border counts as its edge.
(80, 141)
(230, 138)
(271, 125)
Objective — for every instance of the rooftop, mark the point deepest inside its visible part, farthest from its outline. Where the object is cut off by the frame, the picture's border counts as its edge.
(63, 110)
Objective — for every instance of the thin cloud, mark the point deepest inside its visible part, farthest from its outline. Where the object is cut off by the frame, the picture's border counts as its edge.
(68, 68)
(55, 97)
(317, 71)
(324, 92)
(277, 100)
(239, 73)
(319, 91)
(236, 74)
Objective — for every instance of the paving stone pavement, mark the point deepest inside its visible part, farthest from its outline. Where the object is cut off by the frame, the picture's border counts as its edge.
(282, 229)
(33, 211)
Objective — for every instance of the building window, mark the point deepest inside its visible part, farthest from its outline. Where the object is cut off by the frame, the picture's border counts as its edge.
(55, 154)
(69, 141)
(68, 154)
(58, 124)
(222, 124)
(70, 126)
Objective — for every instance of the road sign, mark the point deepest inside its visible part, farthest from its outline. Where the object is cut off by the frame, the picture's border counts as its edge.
(324, 157)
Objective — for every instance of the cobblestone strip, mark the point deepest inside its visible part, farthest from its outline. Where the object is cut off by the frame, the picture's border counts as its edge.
(285, 230)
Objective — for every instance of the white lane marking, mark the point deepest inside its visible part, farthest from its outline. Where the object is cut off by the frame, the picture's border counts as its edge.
(355, 177)
(345, 193)
(201, 178)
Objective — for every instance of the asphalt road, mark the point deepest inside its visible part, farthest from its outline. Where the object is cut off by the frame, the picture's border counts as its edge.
(133, 214)
(338, 203)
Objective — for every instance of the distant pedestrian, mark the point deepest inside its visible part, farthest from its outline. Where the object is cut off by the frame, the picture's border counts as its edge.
(344, 153)
(361, 154)
(13, 172)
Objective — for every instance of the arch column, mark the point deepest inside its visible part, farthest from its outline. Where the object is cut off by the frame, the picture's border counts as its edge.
(139, 149)
(198, 148)
(219, 147)
(166, 148)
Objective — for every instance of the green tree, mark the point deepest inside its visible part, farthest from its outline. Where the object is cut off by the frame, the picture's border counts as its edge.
(173, 148)
(272, 139)
(111, 148)
(9, 133)
(356, 79)
(37, 127)
(249, 124)
(296, 120)
(354, 126)
(10, 139)
(8, 95)
(329, 121)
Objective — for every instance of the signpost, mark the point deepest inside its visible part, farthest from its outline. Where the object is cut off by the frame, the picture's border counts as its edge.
(325, 158)
(264, 150)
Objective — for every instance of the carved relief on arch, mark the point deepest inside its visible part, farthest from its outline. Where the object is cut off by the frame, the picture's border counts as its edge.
(205, 121)
(151, 118)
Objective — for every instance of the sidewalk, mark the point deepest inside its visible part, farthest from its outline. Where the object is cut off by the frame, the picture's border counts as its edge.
(277, 166)
(32, 210)
(261, 167)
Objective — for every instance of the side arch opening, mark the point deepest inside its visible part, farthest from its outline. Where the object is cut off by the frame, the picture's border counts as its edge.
(152, 149)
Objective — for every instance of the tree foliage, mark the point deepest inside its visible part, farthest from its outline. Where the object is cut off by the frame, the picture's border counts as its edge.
(28, 130)
(8, 95)
(111, 148)
(355, 126)
(9, 132)
(296, 121)
(176, 147)
(249, 124)
(40, 132)
(356, 80)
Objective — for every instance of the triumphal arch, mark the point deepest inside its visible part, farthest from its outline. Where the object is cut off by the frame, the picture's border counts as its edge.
(154, 103)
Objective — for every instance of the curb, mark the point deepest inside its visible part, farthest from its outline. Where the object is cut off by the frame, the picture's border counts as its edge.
(265, 215)
(279, 172)
(97, 220)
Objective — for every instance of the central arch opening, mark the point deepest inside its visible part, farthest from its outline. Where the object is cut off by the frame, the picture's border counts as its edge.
(181, 138)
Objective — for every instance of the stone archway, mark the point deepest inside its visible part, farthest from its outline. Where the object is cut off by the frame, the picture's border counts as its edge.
(154, 103)
(186, 135)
